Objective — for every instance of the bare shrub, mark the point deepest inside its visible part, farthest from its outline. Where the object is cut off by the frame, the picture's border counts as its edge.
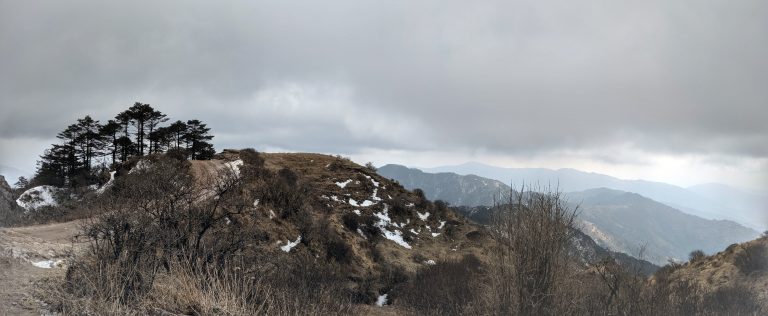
(752, 259)
(696, 256)
(533, 232)
(446, 288)
(732, 300)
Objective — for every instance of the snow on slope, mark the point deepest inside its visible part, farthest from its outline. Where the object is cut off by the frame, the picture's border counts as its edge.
(38, 197)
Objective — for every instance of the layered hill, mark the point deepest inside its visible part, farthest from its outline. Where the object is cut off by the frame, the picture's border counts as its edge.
(696, 201)
(616, 220)
(624, 221)
(469, 190)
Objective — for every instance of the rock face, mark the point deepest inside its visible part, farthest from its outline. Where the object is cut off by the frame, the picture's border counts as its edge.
(7, 204)
(6, 193)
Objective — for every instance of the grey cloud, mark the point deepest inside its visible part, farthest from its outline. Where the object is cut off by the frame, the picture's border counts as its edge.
(504, 76)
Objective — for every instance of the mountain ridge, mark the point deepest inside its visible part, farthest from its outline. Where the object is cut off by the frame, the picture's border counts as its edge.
(604, 215)
(569, 180)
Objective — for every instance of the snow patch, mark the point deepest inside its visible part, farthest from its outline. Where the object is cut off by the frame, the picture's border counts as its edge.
(442, 223)
(290, 244)
(381, 300)
(343, 184)
(234, 166)
(375, 183)
(424, 216)
(365, 203)
(356, 212)
(430, 262)
(435, 234)
(48, 264)
(108, 184)
(37, 197)
(374, 196)
(393, 235)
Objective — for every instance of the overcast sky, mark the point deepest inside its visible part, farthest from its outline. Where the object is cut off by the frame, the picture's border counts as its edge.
(672, 91)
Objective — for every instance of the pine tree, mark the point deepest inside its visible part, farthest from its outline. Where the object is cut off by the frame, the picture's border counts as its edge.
(197, 138)
(161, 139)
(154, 118)
(109, 133)
(67, 151)
(125, 144)
(89, 141)
(177, 131)
(52, 167)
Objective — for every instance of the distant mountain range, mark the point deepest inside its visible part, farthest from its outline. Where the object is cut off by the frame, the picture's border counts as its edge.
(617, 220)
(713, 201)
(624, 221)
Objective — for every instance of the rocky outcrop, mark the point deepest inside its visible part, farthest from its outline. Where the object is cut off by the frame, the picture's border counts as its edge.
(6, 193)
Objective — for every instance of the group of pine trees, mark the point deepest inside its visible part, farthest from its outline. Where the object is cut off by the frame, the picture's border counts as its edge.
(137, 131)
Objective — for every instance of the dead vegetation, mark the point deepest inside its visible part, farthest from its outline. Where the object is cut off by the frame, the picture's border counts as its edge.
(173, 239)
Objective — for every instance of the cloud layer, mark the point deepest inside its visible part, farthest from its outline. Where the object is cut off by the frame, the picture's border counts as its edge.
(518, 78)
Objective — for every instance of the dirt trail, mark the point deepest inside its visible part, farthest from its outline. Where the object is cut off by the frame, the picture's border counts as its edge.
(29, 254)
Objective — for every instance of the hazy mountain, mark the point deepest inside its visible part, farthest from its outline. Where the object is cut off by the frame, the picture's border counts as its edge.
(618, 220)
(469, 190)
(702, 205)
(623, 221)
(12, 174)
(744, 202)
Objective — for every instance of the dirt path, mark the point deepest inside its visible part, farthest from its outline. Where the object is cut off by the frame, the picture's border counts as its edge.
(29, 254)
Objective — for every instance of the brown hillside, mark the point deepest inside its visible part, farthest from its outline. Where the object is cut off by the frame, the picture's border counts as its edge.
(743, 264)
(392, 225)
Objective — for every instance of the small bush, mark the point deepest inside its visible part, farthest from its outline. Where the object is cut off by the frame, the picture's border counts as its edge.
(350, 221)
(696, 256)
(754, 258)
(339, 251)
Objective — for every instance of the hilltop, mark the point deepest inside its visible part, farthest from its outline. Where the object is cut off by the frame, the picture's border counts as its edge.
(355, 202)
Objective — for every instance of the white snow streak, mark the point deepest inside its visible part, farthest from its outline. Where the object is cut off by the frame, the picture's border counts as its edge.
(343, 184)
(289, 245)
